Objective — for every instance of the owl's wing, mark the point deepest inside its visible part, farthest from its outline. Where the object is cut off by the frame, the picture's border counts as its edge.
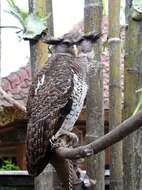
(48, 104)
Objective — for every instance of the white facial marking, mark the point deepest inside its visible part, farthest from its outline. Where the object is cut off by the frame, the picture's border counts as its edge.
(75, 50)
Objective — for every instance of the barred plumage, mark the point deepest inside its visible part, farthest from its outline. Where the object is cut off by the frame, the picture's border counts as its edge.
(55, 100)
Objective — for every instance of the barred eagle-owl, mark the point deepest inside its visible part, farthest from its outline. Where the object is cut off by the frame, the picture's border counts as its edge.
(56, 97)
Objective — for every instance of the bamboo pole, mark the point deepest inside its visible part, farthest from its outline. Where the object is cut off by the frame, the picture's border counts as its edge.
(0, 43)
(127, 9)
(132, 153)
(94, 122)
(115, 100)
(50, 19)
(38, 49)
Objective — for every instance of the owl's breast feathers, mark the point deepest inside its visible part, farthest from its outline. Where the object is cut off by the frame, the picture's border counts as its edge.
(49, 102)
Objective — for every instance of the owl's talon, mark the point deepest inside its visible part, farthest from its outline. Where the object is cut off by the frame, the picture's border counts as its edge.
(54, 144)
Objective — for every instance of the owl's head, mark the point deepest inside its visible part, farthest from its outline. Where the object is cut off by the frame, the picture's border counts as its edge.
(78, 46)
(63, 45)
(85, 44)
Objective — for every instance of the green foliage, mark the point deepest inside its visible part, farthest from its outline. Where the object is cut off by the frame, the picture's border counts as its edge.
(137, 5)
(105, 4)
(105, 45)
(137, 2)
(32, 25)
(139, 104)
(8, 165)
(17, 12)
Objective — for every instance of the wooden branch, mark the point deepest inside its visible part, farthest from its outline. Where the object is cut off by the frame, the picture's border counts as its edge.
(128, 126)
(11, 100)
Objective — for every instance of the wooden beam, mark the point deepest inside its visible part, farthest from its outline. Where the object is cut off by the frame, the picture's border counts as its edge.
(13, 136)
(21, 156)
(16, 178)
(11, 100)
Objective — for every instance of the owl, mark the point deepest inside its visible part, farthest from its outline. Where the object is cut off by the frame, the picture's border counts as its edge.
(56, 97)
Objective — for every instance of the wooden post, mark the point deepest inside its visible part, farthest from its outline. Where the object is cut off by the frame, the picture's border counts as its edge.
(21, 156)
(115, 100)
(39, 57)
(50, 19)
(127, 9)
(0, 44)
(132, 152)
(95, 122)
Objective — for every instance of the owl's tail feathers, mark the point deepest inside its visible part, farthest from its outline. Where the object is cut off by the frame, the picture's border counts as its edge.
(35, 165)
(38, 149)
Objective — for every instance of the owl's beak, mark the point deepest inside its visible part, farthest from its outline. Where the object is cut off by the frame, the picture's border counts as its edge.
(75, 50)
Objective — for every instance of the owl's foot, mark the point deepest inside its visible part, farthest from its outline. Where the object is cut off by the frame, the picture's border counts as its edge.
(67, 139)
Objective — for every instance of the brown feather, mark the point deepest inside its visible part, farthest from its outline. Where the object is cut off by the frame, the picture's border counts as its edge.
(47, 108)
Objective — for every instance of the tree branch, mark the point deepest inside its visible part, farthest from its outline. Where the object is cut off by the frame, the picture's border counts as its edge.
(11, 100)
(117, 134)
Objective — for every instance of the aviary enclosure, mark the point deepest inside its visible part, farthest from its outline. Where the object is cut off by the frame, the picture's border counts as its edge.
(124, 45)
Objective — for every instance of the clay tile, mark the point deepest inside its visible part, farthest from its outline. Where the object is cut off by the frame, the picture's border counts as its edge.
(23, 74)
(25, 84)
(14, 79)
(28, 70)
(6, 84)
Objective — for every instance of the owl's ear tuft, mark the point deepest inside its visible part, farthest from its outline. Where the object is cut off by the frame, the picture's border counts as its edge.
(91, 36)
(55, 41)
(51, 40)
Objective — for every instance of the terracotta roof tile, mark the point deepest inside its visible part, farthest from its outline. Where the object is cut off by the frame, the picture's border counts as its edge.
(17, 84)
(6, 84)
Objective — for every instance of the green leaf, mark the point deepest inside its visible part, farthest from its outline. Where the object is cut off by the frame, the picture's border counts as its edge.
(17, 12)
(8, 165)
(139, 104)
(34, 26)
(137, 4)
(105, 4)
(105, 45)
(139, 90)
